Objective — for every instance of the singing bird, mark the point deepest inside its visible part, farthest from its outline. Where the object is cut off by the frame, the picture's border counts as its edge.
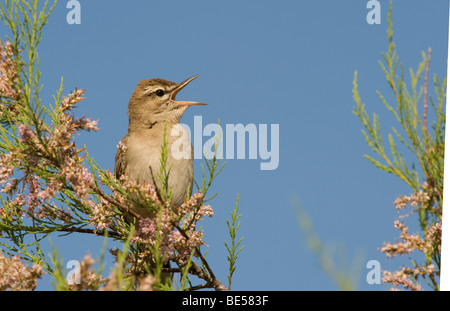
(151, 106)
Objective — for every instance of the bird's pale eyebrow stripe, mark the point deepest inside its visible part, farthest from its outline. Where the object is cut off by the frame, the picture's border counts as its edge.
(149, 90)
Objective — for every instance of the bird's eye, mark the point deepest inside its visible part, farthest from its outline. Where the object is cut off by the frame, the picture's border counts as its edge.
(159, 92)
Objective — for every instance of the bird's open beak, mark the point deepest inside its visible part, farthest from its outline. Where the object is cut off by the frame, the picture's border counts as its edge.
(179, 88)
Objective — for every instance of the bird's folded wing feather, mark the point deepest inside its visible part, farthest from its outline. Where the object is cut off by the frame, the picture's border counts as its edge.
(120, 164)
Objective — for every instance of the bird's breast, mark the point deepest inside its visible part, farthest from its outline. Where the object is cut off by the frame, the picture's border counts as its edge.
(143, 159)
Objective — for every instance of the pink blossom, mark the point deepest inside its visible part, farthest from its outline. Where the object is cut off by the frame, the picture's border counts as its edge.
(74, 97)
(8, 72)
(100, 214)
(147, 228)
(14, 275)
(33, 190)
(27, 135)
(6, 169)
(52, 188)
(429, 244)
(89, 280)
(121, 146)
(400, 278)
(78, 177)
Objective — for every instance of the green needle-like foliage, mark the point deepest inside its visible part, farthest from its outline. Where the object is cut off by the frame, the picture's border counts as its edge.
(235, 248)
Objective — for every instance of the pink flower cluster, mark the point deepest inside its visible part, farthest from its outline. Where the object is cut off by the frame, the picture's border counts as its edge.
(429, 244)
(411, 242)
(401, 278)
(101, 214)
(416, 200)
(89, 279)
(141, 192)
(8, 72)
(175, 228)
(44, 162)
(14, 275)
(404, 275)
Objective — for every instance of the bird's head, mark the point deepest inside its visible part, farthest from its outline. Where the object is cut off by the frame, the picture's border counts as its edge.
(153, 100)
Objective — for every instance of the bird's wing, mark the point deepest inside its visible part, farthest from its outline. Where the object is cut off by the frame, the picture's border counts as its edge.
(120, 164)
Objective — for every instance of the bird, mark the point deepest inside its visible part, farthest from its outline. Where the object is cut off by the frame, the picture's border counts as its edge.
(152, 109)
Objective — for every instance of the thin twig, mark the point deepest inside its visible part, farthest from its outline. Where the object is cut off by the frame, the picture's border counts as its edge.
(198, 287)
(212, 280)
(113, 234)
(425, 94)
(171, 270)
(124, 208)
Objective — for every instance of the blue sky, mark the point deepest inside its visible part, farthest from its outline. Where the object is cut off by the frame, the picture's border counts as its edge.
(262, 62)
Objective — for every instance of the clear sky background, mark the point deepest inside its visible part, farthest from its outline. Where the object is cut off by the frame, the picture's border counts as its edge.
(263, 62)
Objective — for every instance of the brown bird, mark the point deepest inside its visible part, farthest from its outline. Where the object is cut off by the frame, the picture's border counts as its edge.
(151, 106)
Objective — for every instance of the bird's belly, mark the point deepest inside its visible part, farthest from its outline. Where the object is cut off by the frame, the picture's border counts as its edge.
(144, 167)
